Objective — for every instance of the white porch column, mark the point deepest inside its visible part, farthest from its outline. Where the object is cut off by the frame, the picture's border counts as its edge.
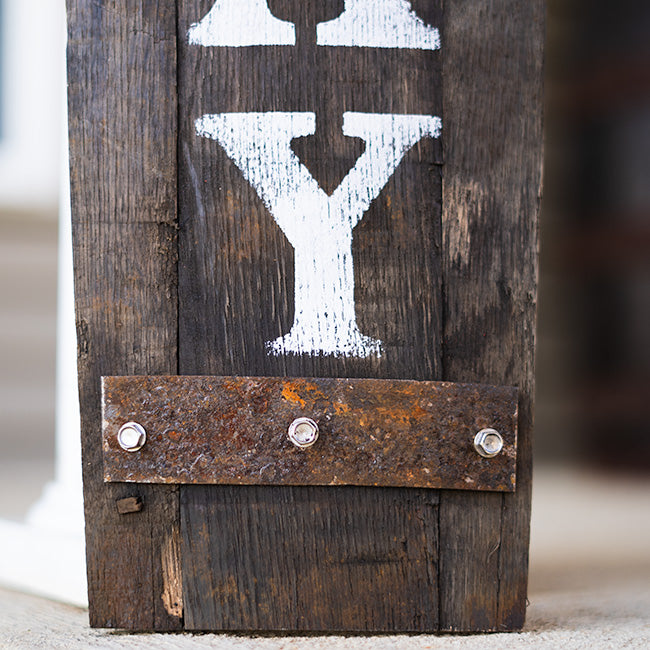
(46, 554)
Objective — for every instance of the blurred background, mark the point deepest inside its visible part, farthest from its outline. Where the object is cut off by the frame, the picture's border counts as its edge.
(594, 295)
(593, 356)
(31, 84)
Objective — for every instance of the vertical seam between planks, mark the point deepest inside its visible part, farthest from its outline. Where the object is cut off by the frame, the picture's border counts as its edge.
(499, 623)
(443, 291)
(443, 266)
(439, 562)
(178, 194)
(152, 554)
(178, 296)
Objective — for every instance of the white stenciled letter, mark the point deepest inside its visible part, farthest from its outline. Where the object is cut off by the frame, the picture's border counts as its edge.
(239, 23)
(378, 23)
(318, 226)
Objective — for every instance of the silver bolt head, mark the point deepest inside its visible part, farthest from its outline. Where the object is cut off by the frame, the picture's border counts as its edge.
(488, 443)
(131, 436)
(303, 432)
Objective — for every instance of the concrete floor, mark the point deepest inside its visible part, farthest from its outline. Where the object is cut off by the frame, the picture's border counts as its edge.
(612, 618)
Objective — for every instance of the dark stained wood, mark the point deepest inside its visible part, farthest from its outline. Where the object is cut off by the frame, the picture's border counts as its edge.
(179, 268)
(310, 558)
(122, 101)
(236, 292)
(381, 432)
(492, 72)
(236, 266)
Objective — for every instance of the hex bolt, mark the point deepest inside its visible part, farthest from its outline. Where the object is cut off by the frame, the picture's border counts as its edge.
(303, 432)
(488, 443)
(131, 436)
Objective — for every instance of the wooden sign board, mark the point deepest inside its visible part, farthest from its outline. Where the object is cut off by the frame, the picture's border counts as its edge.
(333, 189)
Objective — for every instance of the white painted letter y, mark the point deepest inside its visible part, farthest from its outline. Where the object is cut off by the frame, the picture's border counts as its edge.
(318, 226)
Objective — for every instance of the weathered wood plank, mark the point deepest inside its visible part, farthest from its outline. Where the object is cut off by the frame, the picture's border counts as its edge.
(236, 286)
(236, 282)
(450, 295)
(310, 558)
(122, 101)
(492, 69)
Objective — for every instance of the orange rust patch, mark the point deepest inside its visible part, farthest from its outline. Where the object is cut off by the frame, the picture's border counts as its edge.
(291, 395)
(315, 393)
(340, 408)
(402, 413)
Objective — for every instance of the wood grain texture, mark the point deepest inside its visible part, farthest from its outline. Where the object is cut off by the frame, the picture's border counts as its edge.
(273, 559)
(492, 73)
(180, 268)
(236, 270)
(310, 558)
(122, 102)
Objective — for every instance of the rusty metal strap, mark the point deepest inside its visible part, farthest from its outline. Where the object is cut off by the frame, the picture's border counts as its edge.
(234, 430)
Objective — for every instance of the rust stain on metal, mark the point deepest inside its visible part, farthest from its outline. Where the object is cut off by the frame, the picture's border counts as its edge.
(233, 430)
(290, 395)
